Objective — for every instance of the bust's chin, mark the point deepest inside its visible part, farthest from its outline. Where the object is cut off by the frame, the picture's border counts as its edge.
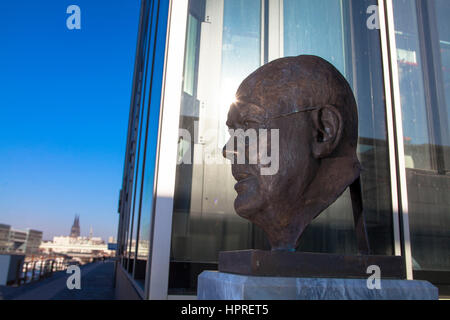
(247, 204)
(279, 229)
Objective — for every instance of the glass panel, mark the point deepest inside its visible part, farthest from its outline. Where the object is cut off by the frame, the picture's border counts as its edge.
(443, 29)
(140, 150)
(304, 35)
(146, 201)
(231, 45)
(141, 166)
(148, 154)
(423, 41)
(204, 221)
(327, 29)
(131, 177)
(189, 64)
(415, 126)
(132, 197)
(241, 52)
(134, 210)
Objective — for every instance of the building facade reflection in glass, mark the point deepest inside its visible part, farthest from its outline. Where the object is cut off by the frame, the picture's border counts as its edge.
(423, 51)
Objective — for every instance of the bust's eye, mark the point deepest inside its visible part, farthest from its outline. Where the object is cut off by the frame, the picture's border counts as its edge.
(249, 124)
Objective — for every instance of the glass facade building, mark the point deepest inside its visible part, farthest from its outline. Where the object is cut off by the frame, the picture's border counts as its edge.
(176, 202)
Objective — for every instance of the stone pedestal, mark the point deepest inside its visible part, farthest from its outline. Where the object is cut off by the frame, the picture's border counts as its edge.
(213, 285)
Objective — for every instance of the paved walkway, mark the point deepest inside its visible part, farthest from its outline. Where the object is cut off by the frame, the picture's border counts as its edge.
(96, 284)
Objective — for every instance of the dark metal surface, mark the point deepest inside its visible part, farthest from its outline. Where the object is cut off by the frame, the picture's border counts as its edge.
(303, 264)
(359, 218)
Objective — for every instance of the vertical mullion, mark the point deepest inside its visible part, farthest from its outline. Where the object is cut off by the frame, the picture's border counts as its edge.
(275, 32)
(281, 28)
(157, 273)
(388, 11)
(390, 131)
(266, 31)
(262, 43)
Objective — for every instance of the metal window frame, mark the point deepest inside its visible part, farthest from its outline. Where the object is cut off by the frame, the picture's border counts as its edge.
(275, 29)
(390, 131)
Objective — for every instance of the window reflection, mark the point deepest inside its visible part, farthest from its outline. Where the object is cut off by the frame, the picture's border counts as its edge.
(303, 32)
(190, 59)
(423, 45)
(415, 126)
(330, 29)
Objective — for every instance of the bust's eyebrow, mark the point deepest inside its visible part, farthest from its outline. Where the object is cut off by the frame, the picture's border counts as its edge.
(232, 114)
(241, 111)
(229, 124)
(250, 111)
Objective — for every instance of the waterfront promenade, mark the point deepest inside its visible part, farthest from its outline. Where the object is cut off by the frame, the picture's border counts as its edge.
(97, 283)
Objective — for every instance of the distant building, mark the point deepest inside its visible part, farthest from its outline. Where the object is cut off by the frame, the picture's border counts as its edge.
(81, 247)
(84, 248)
(75, 230)
(63, 240)
(34, 239)
(14, 241)
(17, 241)
(4, 238)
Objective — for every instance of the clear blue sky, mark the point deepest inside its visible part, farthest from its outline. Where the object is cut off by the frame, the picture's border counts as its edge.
(64, 103)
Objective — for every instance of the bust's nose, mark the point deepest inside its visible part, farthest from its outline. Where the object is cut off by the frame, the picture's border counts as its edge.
(228, 153)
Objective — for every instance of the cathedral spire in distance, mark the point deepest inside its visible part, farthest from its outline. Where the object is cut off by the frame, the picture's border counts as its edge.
(75, 230)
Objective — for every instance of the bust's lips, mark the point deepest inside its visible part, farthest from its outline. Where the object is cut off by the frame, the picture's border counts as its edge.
(242, 178)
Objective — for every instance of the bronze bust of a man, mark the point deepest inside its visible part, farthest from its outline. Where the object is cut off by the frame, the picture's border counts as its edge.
(314, 109)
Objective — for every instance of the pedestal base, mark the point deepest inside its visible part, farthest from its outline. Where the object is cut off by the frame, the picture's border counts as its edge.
(213, 285)
(308, 265)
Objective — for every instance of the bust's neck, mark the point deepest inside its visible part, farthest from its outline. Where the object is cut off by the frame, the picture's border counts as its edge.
(331, 180)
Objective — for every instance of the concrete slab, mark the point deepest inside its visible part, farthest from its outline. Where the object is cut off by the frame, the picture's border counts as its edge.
(213, 285)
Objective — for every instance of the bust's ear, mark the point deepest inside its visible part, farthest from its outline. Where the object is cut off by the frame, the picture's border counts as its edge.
(327, 126)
